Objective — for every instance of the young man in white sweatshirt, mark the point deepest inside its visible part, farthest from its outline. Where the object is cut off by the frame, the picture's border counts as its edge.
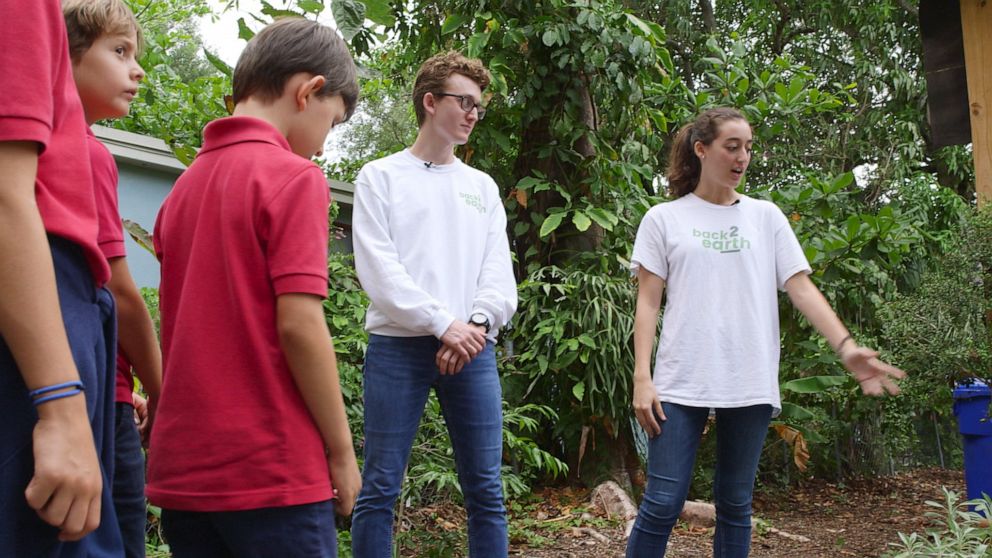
(432, 252)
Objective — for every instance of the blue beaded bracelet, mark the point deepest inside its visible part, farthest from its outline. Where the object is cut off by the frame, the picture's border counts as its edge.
(55, 387)
(55, 396)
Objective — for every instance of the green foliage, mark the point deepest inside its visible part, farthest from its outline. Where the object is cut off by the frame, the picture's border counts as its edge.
(963, 532)
(572, 335)
(862, 255)
(383, 126)
(940, 333)
(182, 91)
(151, 301)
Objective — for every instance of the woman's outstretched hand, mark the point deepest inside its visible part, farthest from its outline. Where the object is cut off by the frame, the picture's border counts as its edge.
(875, 376)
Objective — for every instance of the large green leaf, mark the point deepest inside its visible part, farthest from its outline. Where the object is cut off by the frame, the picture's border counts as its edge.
(795, 412)
(579, 390)
(649, 28)
(244, 32)
(551, 222)
(581, 221)
(350, 17)
(379, 12)
(454, 22)
(311, 6)
(216, 62)
(815, 384)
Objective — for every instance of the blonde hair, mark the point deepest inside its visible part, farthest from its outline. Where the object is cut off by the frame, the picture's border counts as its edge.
(87, 20)
(437, 69)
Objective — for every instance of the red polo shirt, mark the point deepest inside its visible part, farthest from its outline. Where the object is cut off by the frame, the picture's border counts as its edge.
(39, 103)
(110, 238)
(245, 223)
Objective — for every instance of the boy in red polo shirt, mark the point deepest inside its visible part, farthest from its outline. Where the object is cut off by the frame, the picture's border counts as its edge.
(104, 38)
(56, 321)
(251, 430)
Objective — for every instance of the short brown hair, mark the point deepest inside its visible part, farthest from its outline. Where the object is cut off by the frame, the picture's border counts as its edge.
(87, 20)
(437, 69)
(288, 47)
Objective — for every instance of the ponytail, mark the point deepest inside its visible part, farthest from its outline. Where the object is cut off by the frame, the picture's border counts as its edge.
(684, 166)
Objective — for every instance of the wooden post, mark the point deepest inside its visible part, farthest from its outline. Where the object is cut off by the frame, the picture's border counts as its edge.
(976, 26)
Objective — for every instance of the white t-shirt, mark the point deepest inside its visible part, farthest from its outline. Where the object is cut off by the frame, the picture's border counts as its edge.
(721, 264)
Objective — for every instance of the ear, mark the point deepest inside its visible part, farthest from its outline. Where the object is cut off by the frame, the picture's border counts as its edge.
(430, 102)
(699, 149)
(307, 87)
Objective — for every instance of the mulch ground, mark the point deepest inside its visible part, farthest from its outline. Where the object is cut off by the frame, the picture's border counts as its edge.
(858, 519)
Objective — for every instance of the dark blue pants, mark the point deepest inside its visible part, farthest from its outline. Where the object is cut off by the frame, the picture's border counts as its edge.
(304, 531)
(88, 314)
(129, 482)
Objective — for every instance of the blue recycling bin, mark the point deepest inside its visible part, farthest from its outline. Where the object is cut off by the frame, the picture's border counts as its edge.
(971, 406)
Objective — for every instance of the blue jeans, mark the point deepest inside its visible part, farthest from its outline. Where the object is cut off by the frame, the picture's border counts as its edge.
(304, 531)
(740, 435)
(129, 482)
(88, 315)
(399, 374)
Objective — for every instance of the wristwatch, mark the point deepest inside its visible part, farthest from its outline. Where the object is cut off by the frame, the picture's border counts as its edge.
(480, 319)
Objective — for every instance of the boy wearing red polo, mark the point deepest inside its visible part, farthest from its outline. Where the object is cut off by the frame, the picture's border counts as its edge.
(251, 429)
(56, 322)
(104, 37)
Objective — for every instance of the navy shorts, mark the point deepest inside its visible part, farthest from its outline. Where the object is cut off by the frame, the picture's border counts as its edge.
(89, 319)
(304, 531)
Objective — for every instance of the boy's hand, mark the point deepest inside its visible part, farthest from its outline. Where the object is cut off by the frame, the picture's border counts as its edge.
(66, 487)
(144, 410)
(347, 483)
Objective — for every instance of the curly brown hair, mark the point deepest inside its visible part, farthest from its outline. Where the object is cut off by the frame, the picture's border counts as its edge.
(684, 166)
(437, 69)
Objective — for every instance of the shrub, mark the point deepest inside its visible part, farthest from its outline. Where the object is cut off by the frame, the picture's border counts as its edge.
(962, 533)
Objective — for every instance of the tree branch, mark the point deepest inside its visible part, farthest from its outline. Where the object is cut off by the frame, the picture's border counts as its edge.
(709, 20)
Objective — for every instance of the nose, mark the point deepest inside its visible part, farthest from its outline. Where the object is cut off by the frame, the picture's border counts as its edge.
(137, 73)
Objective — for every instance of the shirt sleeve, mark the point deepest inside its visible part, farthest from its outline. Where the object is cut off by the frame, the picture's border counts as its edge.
(295, 234)
(105, 179)
(380, 271)
(789, 256)
(650, 248)
(26, 104)
(496, 292)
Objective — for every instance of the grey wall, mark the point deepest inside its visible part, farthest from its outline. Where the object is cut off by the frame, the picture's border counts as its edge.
(141, 192)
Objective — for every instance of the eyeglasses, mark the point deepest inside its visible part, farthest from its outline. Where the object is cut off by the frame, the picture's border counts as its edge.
(466, 102)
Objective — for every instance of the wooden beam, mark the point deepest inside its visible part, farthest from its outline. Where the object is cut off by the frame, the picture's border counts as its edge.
(976, 26)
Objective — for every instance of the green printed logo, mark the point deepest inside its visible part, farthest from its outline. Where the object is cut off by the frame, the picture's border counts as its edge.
(472, 200)
(723, 241)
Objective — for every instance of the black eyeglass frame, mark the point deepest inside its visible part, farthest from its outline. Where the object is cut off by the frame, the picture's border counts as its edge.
(464, 100)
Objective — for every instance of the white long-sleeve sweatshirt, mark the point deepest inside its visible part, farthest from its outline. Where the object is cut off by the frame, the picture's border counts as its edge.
(431, 246)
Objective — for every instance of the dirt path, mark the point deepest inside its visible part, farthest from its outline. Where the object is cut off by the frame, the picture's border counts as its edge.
(857, 520)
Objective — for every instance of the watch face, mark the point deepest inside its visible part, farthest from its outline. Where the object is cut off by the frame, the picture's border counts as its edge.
(479, 320)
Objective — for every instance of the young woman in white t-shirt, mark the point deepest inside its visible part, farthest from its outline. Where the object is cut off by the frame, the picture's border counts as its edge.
(722, 256)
